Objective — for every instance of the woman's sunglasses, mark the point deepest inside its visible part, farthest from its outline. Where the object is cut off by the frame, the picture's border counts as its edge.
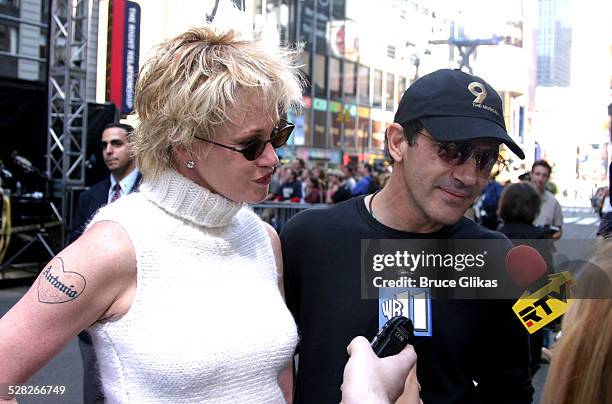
(278, 138)
(488, 161)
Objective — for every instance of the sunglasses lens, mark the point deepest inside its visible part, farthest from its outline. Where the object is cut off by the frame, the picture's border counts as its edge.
(497, 166)
(254, 150)
(280, 137)
(277, 139)
(451, 153)
(486, 160)
(489, 161)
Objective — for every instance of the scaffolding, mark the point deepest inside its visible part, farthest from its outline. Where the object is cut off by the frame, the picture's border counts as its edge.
(67, 101)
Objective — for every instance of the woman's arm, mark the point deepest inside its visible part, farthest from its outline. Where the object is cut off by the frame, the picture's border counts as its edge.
(90, 280)
(285, 377)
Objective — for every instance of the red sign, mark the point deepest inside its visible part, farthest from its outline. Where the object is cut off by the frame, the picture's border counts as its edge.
(122, 53)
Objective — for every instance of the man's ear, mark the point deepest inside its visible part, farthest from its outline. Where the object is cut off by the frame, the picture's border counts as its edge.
(396, 142)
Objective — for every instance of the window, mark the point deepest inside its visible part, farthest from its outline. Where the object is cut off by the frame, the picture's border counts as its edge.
(335, 78)
(363, 128)
(350, 82)
(305, 68)
(390, 89)
(350, 135)
(8, 38)
(301, 133)
(321, 22)
(378, 135)
(320, 76)
(377, 88)
(320, 129)
(258, 7)
(12, 3)
(284, 21)
(306, 25)
(338, 12)
(401, 87)
(337, 117)
(364, 85)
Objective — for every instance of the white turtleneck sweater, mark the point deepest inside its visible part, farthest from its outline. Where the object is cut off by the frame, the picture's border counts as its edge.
(208, 323)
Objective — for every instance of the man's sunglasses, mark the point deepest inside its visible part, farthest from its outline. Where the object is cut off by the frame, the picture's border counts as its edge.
(278, 138)
(488, 161)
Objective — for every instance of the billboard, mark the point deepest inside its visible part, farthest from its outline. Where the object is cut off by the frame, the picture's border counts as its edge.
(122, 53)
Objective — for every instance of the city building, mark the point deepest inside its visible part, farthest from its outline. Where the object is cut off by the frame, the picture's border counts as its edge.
(554, 42)
(358, 58)
(23, 79)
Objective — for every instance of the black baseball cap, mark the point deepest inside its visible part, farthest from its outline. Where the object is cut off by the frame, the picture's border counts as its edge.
(455, 105)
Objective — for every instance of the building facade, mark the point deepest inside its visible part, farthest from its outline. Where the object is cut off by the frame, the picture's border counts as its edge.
(358, 58)
(23, 39)
(554, 42)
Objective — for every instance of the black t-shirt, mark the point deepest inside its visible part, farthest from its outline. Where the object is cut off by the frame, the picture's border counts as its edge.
(473, 340)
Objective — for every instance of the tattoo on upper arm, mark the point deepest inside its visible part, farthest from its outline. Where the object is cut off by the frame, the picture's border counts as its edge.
(56, 285)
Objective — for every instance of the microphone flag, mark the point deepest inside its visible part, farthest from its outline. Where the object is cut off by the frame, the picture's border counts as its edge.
(537, 309)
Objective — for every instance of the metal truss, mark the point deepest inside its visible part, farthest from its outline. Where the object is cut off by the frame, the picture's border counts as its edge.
(67, 99)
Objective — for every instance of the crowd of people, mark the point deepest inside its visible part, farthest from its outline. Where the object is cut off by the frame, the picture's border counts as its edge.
(548, 215)
(299, 183)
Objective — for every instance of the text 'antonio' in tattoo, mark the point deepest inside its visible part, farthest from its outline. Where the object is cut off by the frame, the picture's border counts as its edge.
(55, 285)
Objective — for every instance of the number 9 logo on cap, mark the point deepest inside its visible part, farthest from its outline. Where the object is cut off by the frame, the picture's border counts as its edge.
(479, 91)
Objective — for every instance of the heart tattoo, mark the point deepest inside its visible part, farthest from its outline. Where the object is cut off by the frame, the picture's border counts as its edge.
(59, 286)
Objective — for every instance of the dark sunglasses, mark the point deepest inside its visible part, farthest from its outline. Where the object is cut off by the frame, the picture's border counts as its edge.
(278, 138)
(488, 161)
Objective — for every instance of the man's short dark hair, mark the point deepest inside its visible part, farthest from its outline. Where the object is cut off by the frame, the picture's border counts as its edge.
(127, 128)
(519, 203)
(542, 163)
(411, 129)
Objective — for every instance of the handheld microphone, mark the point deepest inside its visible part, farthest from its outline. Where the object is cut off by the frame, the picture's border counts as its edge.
(546, 297)
(393, 337)
(526, 267)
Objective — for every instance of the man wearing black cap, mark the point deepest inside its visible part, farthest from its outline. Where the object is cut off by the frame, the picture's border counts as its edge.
(444, 145)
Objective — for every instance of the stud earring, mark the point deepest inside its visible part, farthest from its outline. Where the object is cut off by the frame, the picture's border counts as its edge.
(190, 164)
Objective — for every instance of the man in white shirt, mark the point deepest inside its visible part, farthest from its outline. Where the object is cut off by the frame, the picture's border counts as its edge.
(551, 213)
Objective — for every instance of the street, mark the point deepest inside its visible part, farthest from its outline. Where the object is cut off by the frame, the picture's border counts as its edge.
(66, 370)
(579, 223)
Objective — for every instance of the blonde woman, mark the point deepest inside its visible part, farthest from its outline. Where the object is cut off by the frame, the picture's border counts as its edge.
(179, 284)
(581, 367)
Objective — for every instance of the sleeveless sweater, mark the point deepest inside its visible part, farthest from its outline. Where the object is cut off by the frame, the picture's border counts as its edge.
(208, 322)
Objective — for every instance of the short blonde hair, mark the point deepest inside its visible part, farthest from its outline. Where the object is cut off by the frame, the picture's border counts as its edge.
(192, 83)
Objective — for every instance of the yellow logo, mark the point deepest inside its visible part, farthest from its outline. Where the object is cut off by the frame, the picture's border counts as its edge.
(545, 304)
(481, 94)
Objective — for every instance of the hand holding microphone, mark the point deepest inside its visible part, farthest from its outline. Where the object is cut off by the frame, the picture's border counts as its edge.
(370, 379)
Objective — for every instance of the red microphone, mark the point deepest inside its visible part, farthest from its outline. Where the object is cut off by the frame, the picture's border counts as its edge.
(525, 265)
